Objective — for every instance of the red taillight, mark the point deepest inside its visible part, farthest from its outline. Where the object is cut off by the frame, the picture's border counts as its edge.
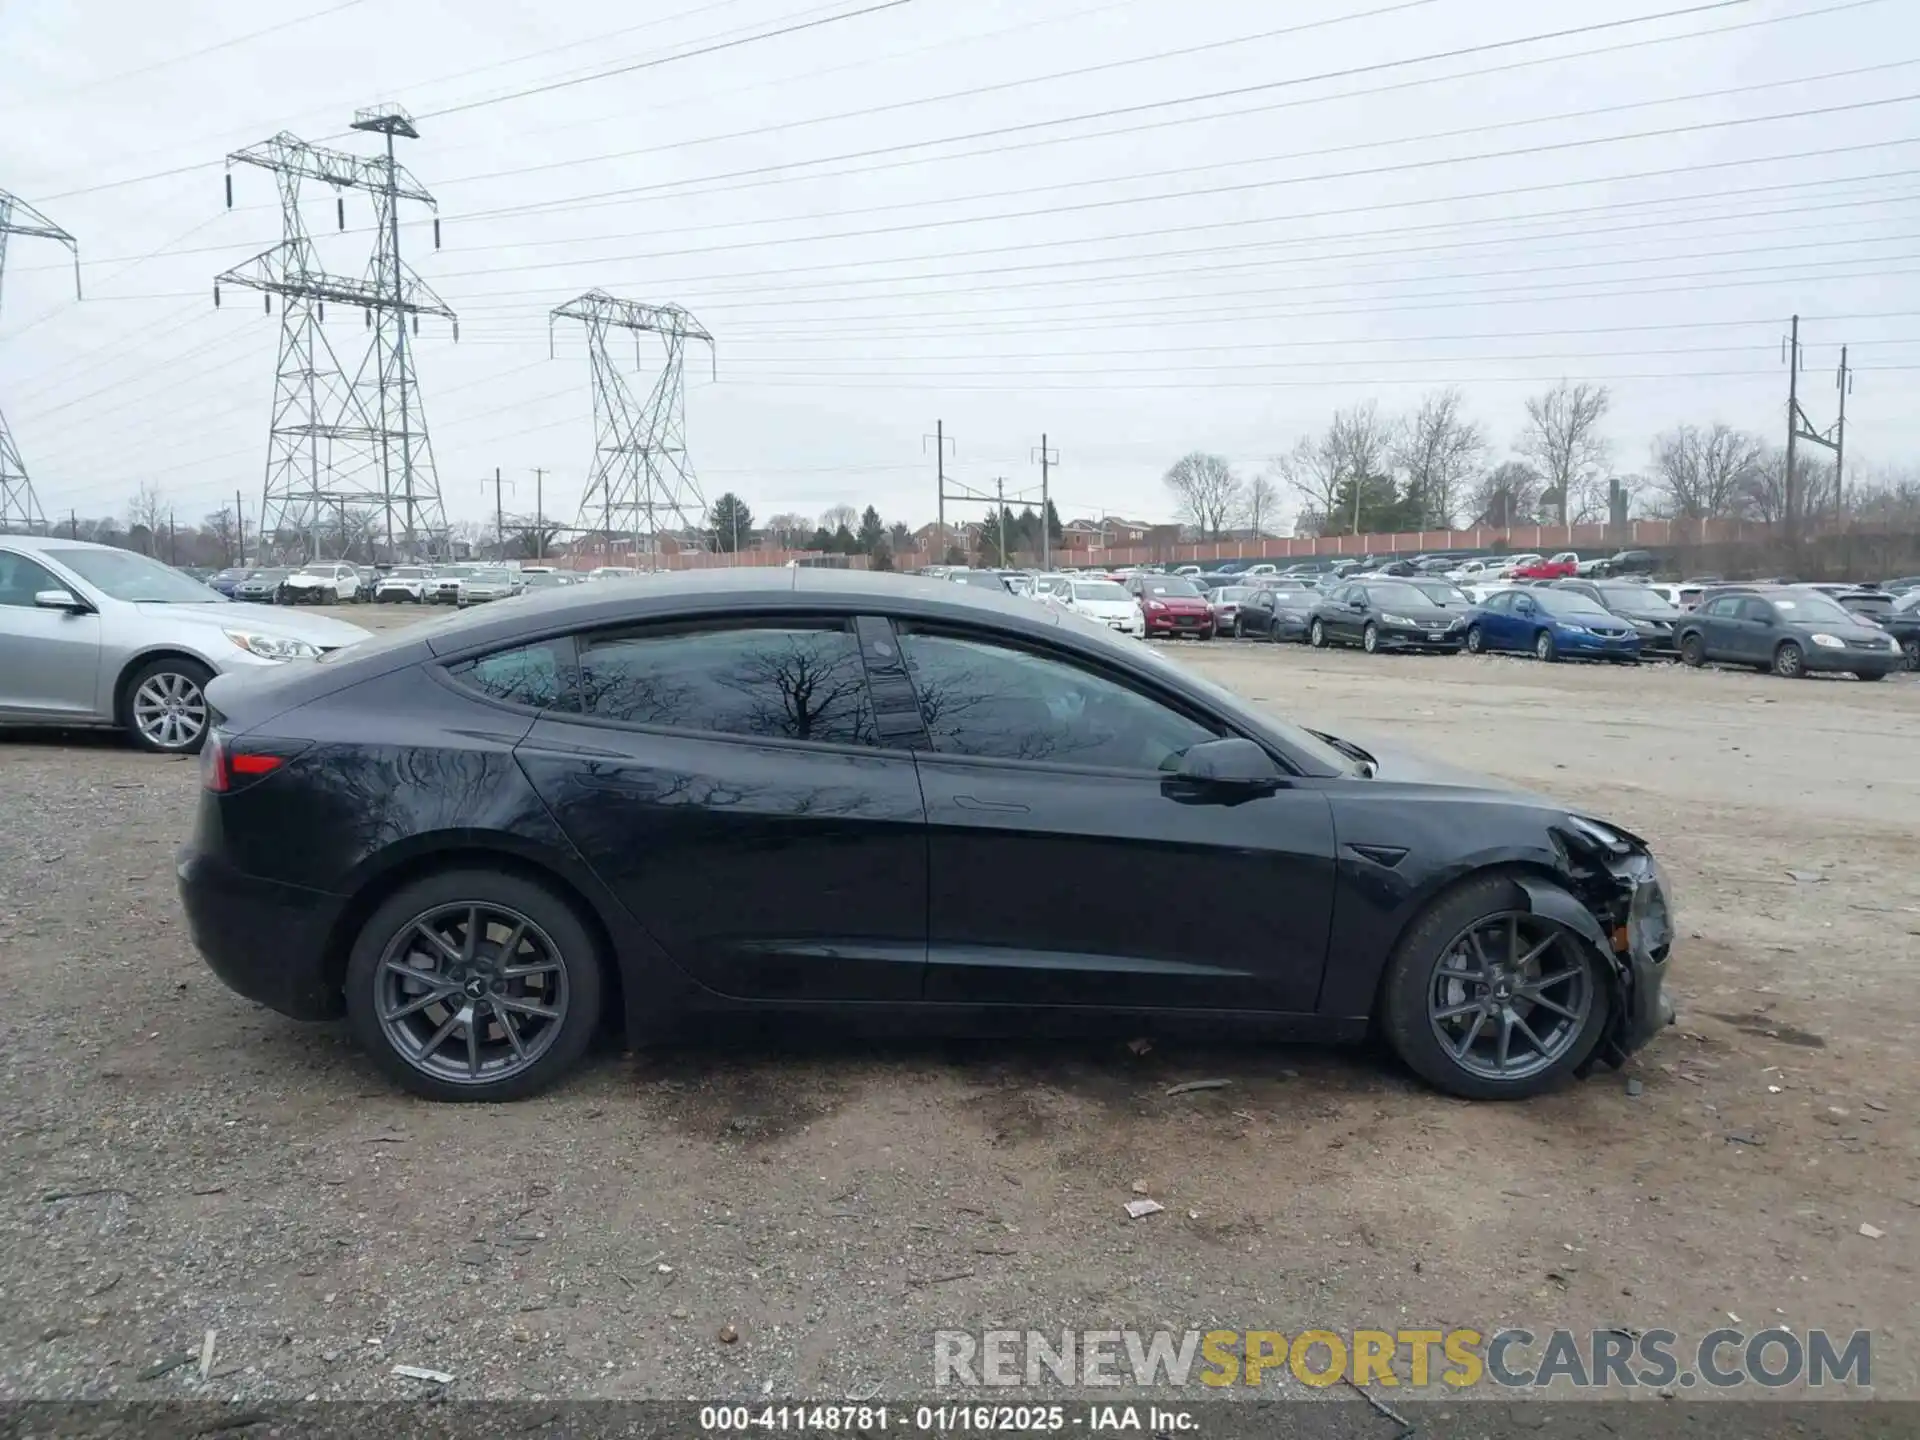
(221, 767)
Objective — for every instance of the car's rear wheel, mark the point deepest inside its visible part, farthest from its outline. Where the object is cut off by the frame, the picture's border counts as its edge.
(1544, 649)
(1693, 650)
(1790, 661)
(1912, 651)
(164, 708)
(1872, 674)
(1476, 640)
(1239, 628)
(474, 985)
(1486, 1000)
(1317, 635)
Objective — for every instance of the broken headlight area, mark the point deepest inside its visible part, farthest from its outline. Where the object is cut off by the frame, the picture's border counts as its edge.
(1630, 908)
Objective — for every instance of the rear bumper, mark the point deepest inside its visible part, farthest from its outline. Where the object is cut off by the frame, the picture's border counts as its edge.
(265, 940)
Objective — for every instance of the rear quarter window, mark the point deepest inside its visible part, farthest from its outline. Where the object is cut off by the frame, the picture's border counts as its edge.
(532, 676)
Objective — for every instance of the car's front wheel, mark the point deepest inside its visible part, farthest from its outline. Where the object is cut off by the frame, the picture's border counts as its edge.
(1486, 1000)
(1790, 661)
(164, 708)
(1912, 651)
(1370, 639)
(1543, 647)
(1239, 628)
(1693, 649)
(474, 984)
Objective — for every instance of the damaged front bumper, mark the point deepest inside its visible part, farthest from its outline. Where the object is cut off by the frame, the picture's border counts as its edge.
(1624, 911)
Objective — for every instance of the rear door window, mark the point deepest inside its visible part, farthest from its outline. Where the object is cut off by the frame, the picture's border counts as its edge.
(781, 680)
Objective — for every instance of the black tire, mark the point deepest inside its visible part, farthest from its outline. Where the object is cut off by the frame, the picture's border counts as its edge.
(1544, 650)
(1239, 628)
(150, 686)
(329, 597)
(1693, 649)
(1403, 1016)
(1317, 635)
(1911, 648)
(1872, 674)
(1370, 639)
(1790, 661)
(560, 921)
(1476, 640)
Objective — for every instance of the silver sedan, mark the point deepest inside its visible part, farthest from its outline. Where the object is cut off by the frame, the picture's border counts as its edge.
(95, 636)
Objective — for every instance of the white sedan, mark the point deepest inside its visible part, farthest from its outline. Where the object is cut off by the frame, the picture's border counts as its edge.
(1105, 603)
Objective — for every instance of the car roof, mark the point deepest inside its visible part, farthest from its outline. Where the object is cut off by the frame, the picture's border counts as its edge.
(40, 544)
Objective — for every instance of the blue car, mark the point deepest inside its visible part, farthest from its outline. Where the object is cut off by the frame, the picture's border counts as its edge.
(1553, 624)
(226, 580)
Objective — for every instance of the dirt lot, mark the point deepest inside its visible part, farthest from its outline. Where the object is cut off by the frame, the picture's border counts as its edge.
(179, 1161)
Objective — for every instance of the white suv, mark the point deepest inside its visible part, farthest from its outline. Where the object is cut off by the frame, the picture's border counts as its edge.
(325, 582)
(404, 584)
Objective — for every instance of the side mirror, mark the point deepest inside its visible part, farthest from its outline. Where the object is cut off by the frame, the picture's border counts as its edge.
(1235, 762)
(1356, 604)
(61, 600)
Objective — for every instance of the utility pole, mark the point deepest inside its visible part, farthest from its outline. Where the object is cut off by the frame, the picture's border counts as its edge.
(1000, 490)
(1843, 382)
(73, 524)
(173, 549)
(499, 515)
(940, 443)
(1048, 459)
(1799, 428)
(240, 522)
(539, 514)
(18, 504)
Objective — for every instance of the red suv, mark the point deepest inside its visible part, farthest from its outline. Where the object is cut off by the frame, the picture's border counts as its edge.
(1173, 605)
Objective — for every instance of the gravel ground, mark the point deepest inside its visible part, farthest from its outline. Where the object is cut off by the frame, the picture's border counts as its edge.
(796, 1217)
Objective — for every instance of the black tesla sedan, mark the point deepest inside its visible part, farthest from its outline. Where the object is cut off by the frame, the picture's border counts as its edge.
(1388, 615)
(902, 801)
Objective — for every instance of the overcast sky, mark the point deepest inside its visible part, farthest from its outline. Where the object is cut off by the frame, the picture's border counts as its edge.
(1140, 226)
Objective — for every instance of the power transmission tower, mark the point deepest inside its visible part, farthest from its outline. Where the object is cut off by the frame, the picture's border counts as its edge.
(1799, 428)
(340, 438)
(19, 506)
(640, 473)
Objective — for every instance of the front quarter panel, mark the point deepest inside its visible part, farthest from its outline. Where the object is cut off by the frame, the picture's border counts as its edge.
(1442, 835)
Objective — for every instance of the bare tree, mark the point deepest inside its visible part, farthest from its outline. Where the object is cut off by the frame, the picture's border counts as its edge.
(1312, 470)
(1506, 495)
(1205, 491)
(1562, 438)
(1438, 448)
(147, 511)
(1355, 448)
(1768, 498)
(835, 516)
(789, 531)
(1702, 474)
(219, 525)
(1259, 503)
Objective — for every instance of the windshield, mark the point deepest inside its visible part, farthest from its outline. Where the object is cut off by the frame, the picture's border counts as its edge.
(1811, 605)
(458, 572)
(1233, 592)
(1297, 599)
(984, 578)
(1441, 592)
(1569, 603)
(1392, 595)
(1104, 590)
(1635, 597)
(409, 572)
(1869, 604)
(1225, 699)
(1173, 586)
(123, 575)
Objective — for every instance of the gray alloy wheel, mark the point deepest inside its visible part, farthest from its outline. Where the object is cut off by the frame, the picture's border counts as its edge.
(1485, 999)
(1239, 628)
(1790, 661)
(1317, 635)
(1912, 651)
(1370, 639)
(474, 985)
(1476, 641)
(471, 993)
(165, 710)
(1543, 647)
(1505, 1000)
